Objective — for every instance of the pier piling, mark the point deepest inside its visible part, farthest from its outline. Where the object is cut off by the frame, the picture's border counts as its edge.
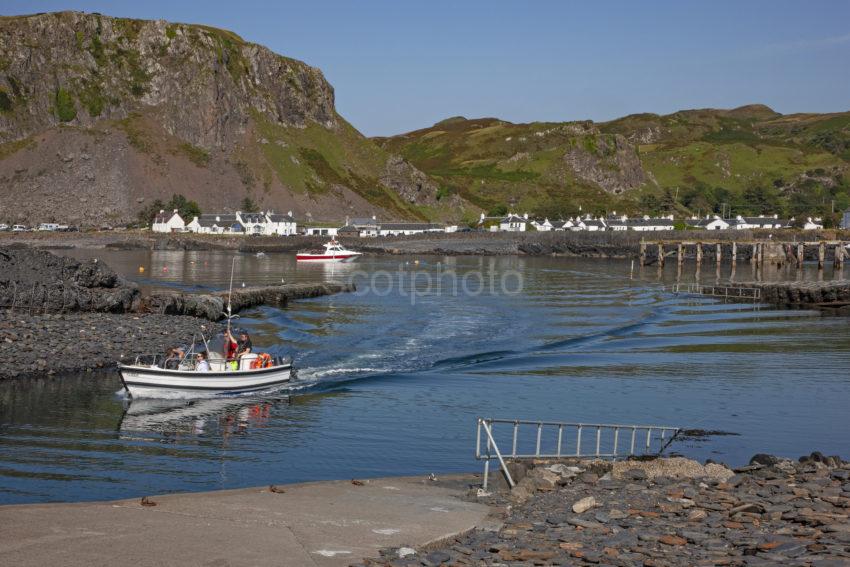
(642, 253)
(660, 255)
(821, 255)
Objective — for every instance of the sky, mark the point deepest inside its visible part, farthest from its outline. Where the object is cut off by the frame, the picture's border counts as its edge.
(397, 66)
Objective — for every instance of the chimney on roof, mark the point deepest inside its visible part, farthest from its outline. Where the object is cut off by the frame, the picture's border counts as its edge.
(289, 213)
(217, 218)
(525, 216)
(162, 211)
(175, 210)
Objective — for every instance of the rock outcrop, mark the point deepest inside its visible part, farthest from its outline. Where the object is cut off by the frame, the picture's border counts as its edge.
(40, 282)
(610, 162)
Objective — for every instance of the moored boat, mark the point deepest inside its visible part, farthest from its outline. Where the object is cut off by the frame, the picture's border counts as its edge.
(333, 252)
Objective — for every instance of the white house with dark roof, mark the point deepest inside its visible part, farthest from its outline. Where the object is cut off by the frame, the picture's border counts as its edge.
(761, 221)
(650, 224)
(267, 223)
(708, 223)
(255, 223)
(513, 223)
(593, 225)
(282, 225)
(544, 226)
(217, 223)
(168, 222)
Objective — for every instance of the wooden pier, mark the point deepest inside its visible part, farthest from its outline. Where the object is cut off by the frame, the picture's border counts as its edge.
(757, 251)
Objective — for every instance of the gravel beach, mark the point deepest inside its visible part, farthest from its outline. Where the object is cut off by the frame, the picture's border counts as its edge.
(45, 345)
(665, 512)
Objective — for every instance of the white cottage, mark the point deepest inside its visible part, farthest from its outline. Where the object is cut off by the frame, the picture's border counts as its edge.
(513, 223)
(282, 225)
(813, 224)
(321, 231)
(544, 226)
(168, 222)
(221, 223)
(709, 223)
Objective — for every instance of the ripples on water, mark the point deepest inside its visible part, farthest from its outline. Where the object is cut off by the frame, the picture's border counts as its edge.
(393, 386)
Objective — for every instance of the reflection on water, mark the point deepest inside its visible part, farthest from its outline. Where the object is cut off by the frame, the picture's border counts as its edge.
(392, 383)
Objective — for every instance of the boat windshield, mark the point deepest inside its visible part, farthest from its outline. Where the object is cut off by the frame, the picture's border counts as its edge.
(215, 346)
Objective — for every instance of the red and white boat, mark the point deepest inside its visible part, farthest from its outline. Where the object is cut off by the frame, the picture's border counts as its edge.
(333, 252)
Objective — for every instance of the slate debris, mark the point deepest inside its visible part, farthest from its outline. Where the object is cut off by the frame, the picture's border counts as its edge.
(64, 343)
(781, 512)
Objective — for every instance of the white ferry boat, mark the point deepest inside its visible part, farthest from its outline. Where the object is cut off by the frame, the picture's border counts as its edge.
(333, 252)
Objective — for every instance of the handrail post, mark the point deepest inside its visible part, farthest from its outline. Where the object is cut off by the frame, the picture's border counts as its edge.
(487, 430)
(598, 439)
(560, 437)
(539, 435)
(578, 442)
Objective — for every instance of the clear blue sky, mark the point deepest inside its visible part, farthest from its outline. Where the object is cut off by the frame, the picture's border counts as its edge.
(397, 65)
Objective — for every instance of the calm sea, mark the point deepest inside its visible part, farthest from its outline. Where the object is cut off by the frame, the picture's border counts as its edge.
(393, 377)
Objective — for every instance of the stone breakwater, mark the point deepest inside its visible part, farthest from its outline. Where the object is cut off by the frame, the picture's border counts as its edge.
(666, 512)
(37, 280)
(214, 306)
(804, 293)
(60, 343)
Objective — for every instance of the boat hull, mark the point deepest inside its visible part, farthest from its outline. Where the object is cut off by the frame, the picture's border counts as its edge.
(142, 382)
(323, 258)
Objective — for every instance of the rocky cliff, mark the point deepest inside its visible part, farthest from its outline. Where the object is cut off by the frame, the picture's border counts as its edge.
(100, 115)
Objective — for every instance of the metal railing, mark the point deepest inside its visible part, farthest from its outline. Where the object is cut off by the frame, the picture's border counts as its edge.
(725, 292)
(554, 440)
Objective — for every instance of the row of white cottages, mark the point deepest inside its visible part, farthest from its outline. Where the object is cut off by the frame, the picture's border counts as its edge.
(240, 223)
(271, 224)
(517, 223)
(750, 223)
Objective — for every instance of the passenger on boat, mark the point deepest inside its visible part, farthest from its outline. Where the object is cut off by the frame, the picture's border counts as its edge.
(245, 345)
(201, 362)
(173, 358)
(231, 347)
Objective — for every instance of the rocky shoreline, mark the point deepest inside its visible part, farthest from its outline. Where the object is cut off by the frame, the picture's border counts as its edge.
(60, 315)
(659, 513)
(60, 343)
(606, 244)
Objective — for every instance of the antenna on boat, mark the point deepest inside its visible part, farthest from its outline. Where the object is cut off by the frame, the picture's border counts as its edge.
(230, 294)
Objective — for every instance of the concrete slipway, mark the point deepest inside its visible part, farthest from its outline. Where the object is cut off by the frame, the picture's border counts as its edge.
(314, 524)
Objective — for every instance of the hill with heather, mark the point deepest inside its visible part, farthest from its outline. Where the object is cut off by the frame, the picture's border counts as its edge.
(749, 160)
(100, 116)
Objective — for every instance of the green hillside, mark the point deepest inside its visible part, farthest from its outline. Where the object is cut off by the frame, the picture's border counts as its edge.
(748, 160)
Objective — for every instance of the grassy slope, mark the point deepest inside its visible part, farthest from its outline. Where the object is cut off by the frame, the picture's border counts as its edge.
(691, 153)
(491, 162)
